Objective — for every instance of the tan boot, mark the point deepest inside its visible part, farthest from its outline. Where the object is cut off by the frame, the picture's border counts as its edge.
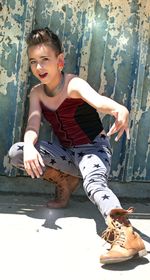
(125, 242)
(66, 185)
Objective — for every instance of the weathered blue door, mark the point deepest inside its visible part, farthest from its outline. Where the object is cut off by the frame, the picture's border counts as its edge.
(106, 42)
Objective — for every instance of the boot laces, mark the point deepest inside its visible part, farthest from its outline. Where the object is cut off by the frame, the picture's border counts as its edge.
(62, 191)
(114, 233)
(59, 192)
(120, 239)
(119, 233)
(108, 235)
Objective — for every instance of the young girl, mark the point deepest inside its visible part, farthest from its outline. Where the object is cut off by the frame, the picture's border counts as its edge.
(81, 149)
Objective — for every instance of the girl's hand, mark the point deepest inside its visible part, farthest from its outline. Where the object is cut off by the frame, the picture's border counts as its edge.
(121, 123)
(33, 161)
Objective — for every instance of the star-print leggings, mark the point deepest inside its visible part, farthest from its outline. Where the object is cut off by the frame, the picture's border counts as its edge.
(91, 162)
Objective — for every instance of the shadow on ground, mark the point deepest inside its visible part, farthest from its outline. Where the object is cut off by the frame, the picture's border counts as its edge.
(34, 206)
(127, 265)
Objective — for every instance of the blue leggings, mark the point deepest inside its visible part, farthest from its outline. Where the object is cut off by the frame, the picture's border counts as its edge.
(91, 162)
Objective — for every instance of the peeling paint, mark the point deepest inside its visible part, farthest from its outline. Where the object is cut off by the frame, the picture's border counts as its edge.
(15, 22)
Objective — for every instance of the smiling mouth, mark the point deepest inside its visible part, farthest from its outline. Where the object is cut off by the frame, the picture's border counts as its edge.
(42, 76)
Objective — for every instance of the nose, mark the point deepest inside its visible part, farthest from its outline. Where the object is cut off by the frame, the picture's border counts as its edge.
(39, 66)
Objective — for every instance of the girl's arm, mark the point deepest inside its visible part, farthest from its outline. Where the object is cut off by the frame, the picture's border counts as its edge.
(34, 119)
(32, 159)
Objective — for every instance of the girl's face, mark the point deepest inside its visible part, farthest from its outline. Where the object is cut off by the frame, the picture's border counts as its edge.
(44, 63)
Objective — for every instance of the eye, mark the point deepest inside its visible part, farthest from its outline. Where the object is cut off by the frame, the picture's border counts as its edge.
(45, 59)
(32, 62)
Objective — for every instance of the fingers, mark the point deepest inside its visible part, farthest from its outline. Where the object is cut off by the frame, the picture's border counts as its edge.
(127, 133)
(41, 160)
(33, 168)
(112, 130)
(121, 131)
(27, 166)
(116, 127)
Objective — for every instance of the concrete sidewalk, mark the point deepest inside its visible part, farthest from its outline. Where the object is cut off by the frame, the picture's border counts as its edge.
(37, 243)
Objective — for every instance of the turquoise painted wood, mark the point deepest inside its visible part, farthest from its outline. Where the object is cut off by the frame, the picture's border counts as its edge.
(107, 43)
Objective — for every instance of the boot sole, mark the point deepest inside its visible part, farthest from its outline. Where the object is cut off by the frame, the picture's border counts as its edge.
(139, 254)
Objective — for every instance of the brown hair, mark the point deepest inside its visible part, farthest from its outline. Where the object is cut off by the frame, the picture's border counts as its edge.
(44, 36)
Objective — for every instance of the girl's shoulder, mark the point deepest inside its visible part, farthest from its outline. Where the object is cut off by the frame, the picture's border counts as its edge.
(36, 91)
(72, 78)
(37, 88)
(75, 85)
(69, 77)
